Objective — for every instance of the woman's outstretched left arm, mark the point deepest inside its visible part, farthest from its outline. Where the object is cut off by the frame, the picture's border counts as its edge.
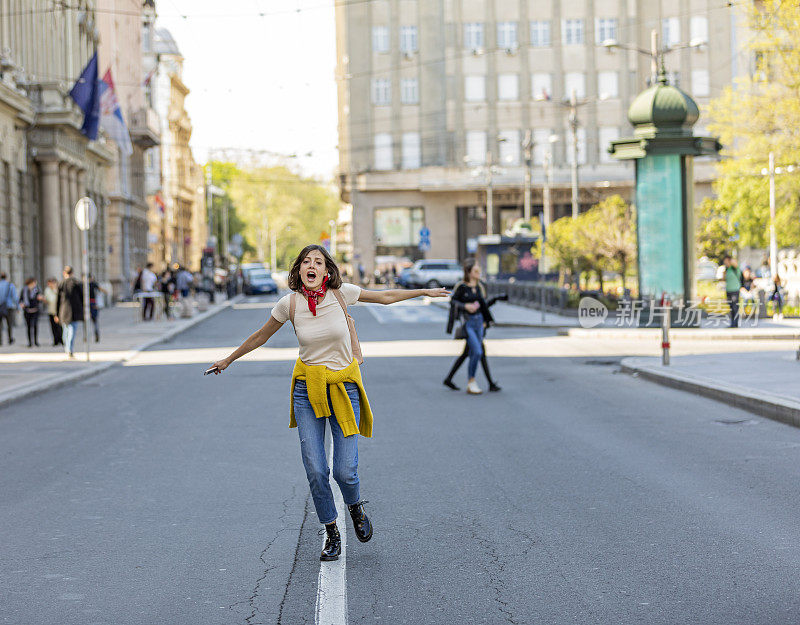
(391, 296)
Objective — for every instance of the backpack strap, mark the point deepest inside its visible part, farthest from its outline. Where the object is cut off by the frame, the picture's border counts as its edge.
(292, 308)
(356, 346)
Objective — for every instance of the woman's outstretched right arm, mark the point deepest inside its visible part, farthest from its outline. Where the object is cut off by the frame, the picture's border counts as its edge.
(255, 340)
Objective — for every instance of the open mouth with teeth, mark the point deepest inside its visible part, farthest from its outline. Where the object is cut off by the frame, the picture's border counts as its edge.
(311, 275)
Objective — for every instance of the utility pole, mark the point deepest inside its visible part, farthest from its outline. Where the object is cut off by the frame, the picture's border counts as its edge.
(573, 124)
(332, 224)
(489, 193)
(528, 147)
(547, 208)
(654, 56)
(209, 203)
(273, 251)
(224, 246)
(773, 243)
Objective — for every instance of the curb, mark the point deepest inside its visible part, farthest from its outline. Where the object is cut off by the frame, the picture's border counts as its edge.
(11, 397)
(765, 405)
(684, 335)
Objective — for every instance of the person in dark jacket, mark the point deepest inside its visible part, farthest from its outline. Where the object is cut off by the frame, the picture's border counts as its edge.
(30, 302)
(493, 386)
(469, 306)
(70, 309)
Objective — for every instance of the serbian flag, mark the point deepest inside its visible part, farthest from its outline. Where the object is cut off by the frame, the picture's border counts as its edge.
(160, 203)
(111, 115)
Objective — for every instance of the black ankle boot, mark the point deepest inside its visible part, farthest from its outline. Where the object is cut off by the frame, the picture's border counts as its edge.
(449, 384)
(333, 543)
(493, 387)
(361, 523)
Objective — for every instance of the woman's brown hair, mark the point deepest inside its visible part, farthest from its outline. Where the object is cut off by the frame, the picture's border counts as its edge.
(468, 265)
(334, 277)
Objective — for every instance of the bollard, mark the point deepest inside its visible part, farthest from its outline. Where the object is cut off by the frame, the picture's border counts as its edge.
(665, 325)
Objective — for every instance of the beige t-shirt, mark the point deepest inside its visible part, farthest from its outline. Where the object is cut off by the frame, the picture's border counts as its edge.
(325, 338)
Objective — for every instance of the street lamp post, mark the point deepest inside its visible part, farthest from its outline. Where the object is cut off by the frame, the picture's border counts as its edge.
(528, 147)
(573, 124)
(332, 224)
(489, 194)
(773, 243)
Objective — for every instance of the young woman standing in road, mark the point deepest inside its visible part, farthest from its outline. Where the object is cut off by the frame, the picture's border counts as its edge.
(468, 304)
(326, 382)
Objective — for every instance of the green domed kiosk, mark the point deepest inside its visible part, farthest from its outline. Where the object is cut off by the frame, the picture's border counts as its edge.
(664, 147)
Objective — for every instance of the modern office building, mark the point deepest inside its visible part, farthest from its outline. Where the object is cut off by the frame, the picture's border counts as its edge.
(436, 96)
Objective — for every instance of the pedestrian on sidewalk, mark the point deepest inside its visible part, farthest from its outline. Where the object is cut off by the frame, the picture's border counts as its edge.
(148, 281)
(30, 302)
(167, 287)
(8, 304)
(733, 285)
(468, 305)
(448, 381)
(326, 382)
(94, 305)
(70, 309)
(51, 302)
(776, 297)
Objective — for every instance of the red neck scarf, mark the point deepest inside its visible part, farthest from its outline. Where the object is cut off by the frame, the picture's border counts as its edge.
(313, 295)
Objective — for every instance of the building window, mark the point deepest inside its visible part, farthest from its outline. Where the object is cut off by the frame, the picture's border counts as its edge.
(605, 29)
(383, 151)
(605, 135)
(409, 91)
(398, 226)
(509, 147)
(700, 83)
(572, 32)
(476, 147)
(698, 30)
(671, 31)
(380, 38)
(540, 34)
(473, 36)
(607, 85)
(541, 86)
(507, 35)
(541, 144)
(475, 88)
(575, 82)
(381, 91)
(508, 87)
(411, 150)
(674, 78)
(408, 39)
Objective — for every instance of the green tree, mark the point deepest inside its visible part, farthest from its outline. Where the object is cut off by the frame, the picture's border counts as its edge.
(759, 114)
(715, 235)
(615, 229)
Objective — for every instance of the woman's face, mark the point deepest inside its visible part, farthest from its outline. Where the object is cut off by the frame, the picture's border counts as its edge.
(313, 270)
(475, 273)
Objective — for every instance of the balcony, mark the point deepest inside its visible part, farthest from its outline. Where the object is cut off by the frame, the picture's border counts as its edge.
(144, 128)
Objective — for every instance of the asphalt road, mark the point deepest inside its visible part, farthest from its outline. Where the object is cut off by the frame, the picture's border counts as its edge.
(150, 494)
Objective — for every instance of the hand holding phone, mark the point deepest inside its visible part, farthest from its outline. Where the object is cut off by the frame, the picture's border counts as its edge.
(213, 370)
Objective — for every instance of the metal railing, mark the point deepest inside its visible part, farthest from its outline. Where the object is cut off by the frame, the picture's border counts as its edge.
(532, 295)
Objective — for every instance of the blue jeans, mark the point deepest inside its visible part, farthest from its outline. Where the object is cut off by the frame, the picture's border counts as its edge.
(474, 329)
(70, 330)
(312, 446)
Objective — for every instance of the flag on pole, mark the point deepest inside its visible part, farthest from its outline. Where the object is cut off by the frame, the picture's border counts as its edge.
(86, 93)
(160, 203)
(111, 119)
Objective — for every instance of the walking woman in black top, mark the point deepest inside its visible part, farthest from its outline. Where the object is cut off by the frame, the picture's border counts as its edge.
(469, 305)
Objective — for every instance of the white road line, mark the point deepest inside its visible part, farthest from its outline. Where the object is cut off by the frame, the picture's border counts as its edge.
(331, 606)
(374, 308)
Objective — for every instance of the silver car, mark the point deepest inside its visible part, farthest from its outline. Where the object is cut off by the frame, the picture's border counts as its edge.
(432, 273)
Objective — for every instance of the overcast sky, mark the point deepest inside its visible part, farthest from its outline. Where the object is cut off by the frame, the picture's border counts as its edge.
(261, 82)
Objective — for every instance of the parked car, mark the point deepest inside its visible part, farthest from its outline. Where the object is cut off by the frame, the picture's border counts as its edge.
(258, 281)
(435, 273)
(403, 278)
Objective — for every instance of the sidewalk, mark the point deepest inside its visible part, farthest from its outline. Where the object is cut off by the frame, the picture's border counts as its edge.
(512, 315)
(25, 371)
(765, 383)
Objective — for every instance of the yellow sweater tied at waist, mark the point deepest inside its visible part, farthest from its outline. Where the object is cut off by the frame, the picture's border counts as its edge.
(318, 378)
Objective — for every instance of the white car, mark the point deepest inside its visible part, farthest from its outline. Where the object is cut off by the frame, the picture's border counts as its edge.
(432, 273)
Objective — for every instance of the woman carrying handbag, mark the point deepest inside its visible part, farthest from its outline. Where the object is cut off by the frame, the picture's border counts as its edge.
(469, 307)
(326, 385)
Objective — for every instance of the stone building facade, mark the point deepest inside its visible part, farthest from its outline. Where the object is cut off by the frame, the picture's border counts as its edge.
(46, 164)
(432, 92)
(175, 184)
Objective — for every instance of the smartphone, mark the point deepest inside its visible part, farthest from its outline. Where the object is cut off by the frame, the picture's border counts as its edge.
(211, 370)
